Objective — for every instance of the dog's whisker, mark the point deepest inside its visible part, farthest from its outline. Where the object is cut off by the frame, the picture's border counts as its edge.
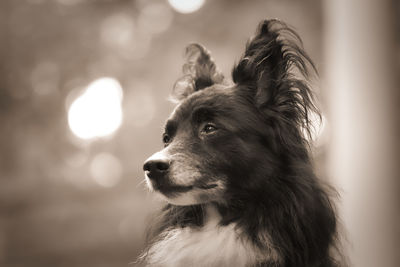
(141, 182)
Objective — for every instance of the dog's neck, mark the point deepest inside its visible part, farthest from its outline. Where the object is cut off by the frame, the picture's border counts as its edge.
(209, 245)
(212, 217)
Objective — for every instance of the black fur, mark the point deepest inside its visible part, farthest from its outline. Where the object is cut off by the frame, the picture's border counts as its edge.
(261, 147)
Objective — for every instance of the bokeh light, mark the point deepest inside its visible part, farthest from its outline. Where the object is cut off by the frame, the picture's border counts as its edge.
(186, 6)
(117, 30)
(155, 18)
(97, 112)
(106, 169)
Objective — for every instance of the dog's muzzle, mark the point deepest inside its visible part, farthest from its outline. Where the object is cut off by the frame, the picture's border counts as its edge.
(157, 169)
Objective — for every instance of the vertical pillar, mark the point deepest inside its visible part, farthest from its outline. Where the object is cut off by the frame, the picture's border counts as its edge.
(360, 74)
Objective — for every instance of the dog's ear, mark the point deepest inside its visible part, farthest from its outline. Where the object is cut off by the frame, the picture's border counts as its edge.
(199, 72)
(269, 70)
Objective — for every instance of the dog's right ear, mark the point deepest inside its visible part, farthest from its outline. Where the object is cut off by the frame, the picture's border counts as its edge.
(199, 72)
(263, 64)
(274, 71)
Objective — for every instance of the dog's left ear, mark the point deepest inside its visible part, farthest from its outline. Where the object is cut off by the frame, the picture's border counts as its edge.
(199, 72)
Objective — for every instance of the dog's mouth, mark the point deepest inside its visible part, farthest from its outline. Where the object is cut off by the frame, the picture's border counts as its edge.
(170, 189)
(207, 186)
(191, 194)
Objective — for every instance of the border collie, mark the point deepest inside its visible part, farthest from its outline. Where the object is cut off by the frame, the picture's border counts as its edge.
(236, 167)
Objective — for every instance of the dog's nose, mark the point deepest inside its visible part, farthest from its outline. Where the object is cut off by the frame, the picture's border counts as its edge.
(156, 169)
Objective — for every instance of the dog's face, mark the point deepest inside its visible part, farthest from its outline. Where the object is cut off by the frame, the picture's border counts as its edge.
(205, 146)
(224, 136)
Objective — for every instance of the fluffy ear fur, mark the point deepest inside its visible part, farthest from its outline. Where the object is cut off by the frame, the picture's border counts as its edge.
(269, 71)
(199, 72)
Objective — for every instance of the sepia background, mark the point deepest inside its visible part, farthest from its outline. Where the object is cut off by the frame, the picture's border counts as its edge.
(83, 96)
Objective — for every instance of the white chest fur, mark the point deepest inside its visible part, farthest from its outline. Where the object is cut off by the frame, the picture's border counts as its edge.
(211, 245)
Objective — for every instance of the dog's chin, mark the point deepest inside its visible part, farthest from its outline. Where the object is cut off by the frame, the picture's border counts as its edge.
(185, 195)
(182, 199)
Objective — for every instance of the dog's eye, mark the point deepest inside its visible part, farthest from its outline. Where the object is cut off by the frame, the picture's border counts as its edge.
(209, 128)
(166, 139)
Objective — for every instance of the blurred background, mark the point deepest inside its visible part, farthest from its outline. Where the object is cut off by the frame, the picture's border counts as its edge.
(83, 89)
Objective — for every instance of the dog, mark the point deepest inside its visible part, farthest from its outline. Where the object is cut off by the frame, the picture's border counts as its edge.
(236, 167)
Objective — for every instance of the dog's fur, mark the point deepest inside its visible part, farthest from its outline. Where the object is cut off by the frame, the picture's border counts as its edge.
(239, 177)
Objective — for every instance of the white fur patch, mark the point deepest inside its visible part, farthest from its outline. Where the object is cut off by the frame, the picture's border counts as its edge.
(197, 195)
(187, 198)
(211, 245)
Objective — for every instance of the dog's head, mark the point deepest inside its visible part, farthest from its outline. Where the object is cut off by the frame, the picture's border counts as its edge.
(224, 136)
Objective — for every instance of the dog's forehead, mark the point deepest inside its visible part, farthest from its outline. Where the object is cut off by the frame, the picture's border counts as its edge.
(212, 97)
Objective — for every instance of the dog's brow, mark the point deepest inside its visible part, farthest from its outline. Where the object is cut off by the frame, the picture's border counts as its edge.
(170, 127)
(202, 114)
